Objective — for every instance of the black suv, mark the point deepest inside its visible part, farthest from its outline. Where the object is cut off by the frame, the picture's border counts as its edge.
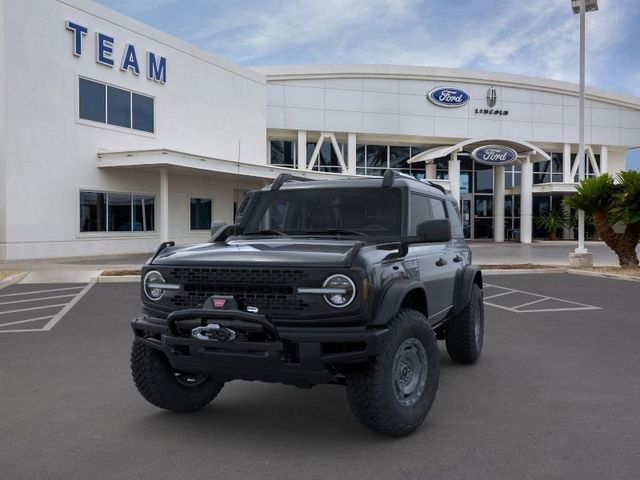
(346, 281)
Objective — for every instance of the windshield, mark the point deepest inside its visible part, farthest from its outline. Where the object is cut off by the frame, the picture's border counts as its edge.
(328, 211)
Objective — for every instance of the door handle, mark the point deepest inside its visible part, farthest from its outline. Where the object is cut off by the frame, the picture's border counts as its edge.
(441, 262)
(457, 258)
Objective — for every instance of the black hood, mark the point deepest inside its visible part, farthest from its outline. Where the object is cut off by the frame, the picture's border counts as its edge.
(259, 252)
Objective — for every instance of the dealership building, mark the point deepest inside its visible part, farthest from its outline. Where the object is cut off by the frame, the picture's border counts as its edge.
(115, 136)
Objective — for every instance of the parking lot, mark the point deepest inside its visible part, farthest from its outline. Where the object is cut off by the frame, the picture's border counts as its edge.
(555, 395)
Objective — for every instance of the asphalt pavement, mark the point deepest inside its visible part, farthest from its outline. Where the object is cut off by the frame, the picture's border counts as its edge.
(555, 395)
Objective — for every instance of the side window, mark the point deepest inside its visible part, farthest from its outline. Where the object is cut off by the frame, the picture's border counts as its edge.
(420, 211)
(437, 207)
(454, 217)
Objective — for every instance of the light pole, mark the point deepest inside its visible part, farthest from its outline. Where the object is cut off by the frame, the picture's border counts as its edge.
(580, 7)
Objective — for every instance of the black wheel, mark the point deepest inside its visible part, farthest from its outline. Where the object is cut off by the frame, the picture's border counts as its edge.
(464, 334)
(166, 388)
(394, 393)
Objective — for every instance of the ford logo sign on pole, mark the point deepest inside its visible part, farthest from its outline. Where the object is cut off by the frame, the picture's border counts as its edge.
(448, 97)
(494, 155)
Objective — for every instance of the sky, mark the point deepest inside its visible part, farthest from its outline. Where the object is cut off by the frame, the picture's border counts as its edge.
(531, 37)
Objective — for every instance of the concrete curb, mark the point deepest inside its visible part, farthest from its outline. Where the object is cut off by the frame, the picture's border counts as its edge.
(12, 279)
(523, 271)
(117, 279)
(531, 271)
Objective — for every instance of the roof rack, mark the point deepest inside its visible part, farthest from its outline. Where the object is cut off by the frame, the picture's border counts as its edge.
(390, 176)
(439, 187)
(287, 177)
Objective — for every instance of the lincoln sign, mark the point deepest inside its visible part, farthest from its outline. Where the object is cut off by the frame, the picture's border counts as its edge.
(494, 155)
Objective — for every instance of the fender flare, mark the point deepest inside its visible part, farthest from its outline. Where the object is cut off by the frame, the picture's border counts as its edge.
(465, 278)
(389, 303)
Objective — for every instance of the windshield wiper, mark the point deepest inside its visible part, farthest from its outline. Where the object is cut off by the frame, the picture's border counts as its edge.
(336, 231)
(267, 231)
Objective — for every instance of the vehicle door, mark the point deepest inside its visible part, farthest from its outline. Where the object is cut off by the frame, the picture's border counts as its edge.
(449, 259)
(427, 261)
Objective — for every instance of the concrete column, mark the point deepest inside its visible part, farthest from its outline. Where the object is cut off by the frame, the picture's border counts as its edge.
(566, 164)
(351, 153)
(526, 201)
(302, 150)
(454, 176)
(431, 171)
(498, 204)
(567, 231)
(604, 159)
(164, 205)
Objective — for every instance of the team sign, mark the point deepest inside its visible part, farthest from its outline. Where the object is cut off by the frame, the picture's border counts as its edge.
(156, 65)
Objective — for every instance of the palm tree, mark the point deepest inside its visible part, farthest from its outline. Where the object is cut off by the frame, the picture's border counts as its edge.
(551, 221)
(609, 202)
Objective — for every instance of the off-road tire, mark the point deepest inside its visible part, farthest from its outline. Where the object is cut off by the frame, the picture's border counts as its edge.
(464, 342)
(370, 387)
(156, 382)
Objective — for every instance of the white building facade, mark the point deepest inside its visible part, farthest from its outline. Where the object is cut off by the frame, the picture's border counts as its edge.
(115, 136)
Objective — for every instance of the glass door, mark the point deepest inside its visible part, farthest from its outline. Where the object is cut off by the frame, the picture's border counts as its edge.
(466, 202)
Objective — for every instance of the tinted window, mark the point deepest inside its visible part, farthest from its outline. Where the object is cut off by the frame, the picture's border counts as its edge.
(283, 153)
(454, 218)
(372, 211)
(142, 113)
(118, 107)
(144, 213)
(119, 212)
(419, 212)
(200, 214)
(92, 101)
(437, 208)
(93, 212)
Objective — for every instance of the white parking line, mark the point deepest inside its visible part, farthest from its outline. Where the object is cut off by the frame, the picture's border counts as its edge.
(33, 308)
(25, 321)
(42, 291)
(51, 323)
(53, 319)
(540, 299)
(38, 299)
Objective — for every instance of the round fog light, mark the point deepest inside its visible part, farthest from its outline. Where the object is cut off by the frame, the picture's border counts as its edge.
(344, 290)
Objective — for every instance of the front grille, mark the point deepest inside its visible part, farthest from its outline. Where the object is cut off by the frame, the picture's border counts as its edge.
(272, 291)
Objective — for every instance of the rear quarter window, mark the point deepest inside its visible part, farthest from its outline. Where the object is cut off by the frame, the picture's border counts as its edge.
(454, 218)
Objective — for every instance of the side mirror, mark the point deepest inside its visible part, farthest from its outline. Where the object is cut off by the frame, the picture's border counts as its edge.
(435, 231)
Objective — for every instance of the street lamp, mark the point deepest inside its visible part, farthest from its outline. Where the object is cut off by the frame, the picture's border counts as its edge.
(580, 7)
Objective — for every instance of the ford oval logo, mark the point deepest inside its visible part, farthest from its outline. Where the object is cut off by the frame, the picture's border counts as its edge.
(448, 97)
(494, 155)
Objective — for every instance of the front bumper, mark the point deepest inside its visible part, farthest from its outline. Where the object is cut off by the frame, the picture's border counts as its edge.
(299, 356)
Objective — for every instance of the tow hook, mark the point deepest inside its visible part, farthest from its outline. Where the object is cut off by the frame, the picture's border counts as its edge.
(213, 332)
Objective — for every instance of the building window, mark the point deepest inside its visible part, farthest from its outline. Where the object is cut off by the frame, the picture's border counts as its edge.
(589, 171)
(93, 212)
(201, 213)
(115, 106)
(549, 170)
(375, 159)
(283, 153)
(92, 101)
(116, 212)
(327, 160)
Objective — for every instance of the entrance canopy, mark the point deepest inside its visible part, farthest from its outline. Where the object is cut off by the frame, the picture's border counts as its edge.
(522, 148)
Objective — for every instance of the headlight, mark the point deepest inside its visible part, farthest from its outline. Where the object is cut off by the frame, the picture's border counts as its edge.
(154, 285)
(344, 290)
